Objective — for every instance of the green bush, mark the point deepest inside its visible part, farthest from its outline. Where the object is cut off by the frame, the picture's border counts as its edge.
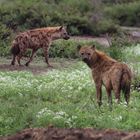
(5, 37)
(136, 83)
(67, 49)
(77, 15)
(116, 52)
(127, 14)
(119, 42)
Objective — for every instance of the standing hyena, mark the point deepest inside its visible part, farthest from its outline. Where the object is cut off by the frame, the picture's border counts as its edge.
(106, 71)
(35, 39)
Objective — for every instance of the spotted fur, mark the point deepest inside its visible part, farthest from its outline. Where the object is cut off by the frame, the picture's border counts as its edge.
(34, 40)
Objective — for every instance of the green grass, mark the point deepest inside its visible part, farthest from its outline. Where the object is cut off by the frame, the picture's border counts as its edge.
(63, 98)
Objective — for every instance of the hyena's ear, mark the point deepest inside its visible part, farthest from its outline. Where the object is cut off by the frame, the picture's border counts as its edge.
(79, 47)
(61, 28)
(93, 47)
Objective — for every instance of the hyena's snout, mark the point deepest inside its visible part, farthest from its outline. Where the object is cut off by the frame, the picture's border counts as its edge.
(64, 33)
(66, 37)
(85, 58)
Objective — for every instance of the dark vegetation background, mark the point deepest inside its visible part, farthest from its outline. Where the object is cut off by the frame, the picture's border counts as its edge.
(82, 17)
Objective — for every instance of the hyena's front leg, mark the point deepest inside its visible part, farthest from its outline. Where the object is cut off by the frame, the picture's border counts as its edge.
(108, 87)
(99, 92)
(46, 54)
(108, 90)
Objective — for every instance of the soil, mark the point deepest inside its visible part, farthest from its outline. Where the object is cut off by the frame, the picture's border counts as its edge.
(33, 69)
(37, 66)
(52, 133)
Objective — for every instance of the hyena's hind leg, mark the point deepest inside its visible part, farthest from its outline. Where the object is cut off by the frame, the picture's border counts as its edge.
(19, 58)
(126, 85)
(116, 83)
(13, 60)
(15, 50)
(126, 92)
(31, 57)
(20, 55)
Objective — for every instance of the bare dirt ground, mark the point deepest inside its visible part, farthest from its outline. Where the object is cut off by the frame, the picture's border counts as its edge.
(52, 133)
(38, 66)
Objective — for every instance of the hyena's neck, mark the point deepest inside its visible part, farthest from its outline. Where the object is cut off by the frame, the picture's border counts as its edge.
(54, 35)
(101, 60)
(93, 62)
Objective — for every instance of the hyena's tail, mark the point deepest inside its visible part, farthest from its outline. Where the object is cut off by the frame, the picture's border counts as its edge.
(126, 84)
(15, 50)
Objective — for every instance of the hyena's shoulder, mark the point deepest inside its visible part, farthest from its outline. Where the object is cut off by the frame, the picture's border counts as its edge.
(20, 37)
(105, 57)
(38, 33)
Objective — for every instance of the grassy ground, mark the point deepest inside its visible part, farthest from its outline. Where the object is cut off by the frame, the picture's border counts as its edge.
(64, 97)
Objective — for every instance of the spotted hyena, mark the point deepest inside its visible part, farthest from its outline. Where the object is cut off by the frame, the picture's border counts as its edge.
(35, 39)
(106, 71)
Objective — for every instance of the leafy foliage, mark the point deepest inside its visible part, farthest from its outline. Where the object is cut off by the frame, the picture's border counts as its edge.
(90, 17)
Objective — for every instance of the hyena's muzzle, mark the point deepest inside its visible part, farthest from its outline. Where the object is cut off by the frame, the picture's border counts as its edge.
(66, 36)
(64, 33)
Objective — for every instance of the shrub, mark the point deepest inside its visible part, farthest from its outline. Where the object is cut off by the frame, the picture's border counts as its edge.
(119, 42)
(67, 49)
(136, 83)
(125, 14)
(18, 15)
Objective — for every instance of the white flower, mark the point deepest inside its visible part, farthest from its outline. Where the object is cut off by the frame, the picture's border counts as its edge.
(119, 118)
(61, 113)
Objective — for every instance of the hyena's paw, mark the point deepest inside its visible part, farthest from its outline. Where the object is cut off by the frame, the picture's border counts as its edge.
(27, 64)
(12, 63)
(50, 66)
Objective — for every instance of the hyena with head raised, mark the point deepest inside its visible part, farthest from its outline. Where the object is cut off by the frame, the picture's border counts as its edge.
(106, 71)
(35, 39)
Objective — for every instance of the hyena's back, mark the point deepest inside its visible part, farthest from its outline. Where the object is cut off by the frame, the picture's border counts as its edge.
(32, 39)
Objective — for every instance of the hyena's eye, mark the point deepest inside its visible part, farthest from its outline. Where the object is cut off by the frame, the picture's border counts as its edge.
(82, 53)
(88, 54)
